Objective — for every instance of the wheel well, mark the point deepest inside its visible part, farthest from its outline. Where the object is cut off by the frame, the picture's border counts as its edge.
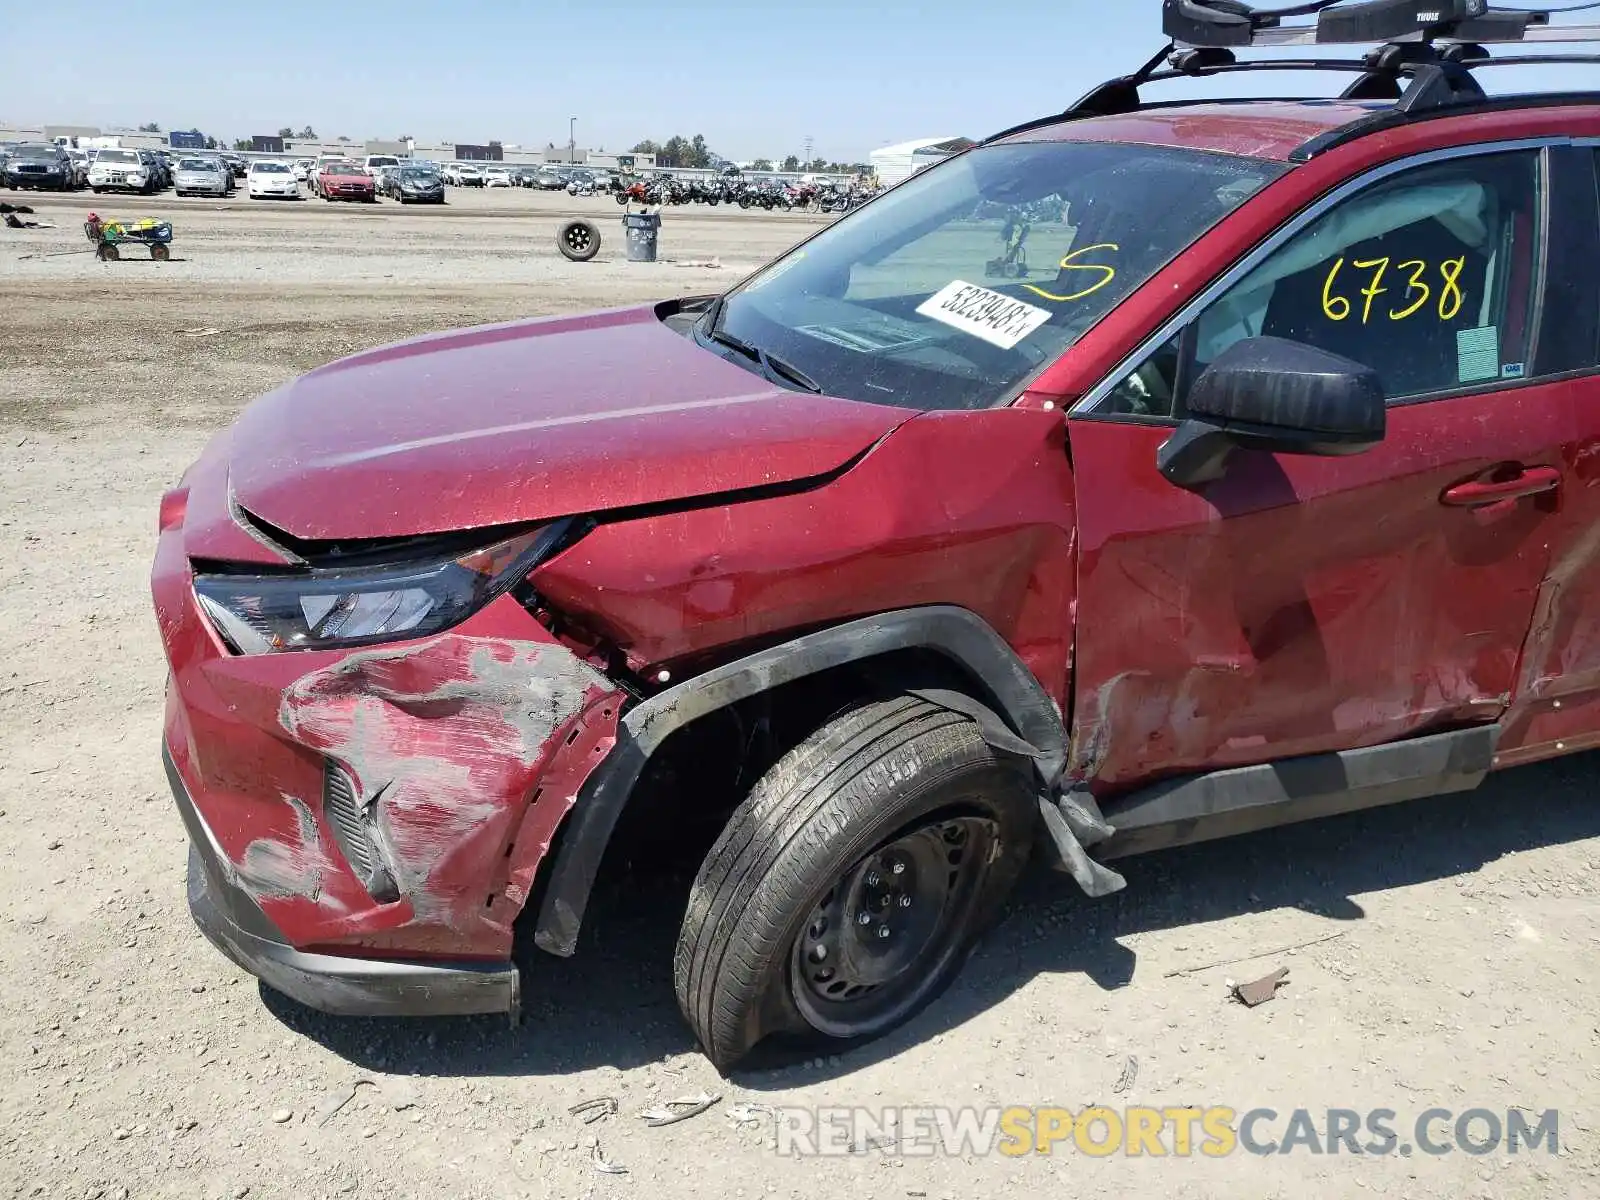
(702, 772)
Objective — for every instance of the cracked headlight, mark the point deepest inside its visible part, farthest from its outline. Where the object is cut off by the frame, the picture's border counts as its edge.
(325, 608)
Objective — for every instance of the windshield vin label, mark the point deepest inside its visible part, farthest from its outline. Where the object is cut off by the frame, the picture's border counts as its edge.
(998, 320)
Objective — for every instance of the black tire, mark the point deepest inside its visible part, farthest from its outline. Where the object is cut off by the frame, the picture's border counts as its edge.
(900, 779)
(579, 240)
(160, 253)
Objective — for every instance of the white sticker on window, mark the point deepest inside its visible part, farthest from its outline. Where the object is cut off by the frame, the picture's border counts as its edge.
(1478, 354)
(997, 319)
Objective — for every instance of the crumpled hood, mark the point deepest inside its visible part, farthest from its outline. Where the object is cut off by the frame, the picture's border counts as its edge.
(527, 421)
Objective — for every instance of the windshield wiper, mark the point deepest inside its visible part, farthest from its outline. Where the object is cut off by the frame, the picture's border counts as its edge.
(770, 364)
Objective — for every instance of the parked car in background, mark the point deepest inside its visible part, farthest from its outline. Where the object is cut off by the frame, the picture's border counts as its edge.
(302, 169)
(468, 175)
(200, 176)
(498, 177)
(80, 167)
(118, 170)
(344, 180)
(157, 168)
(270, 180)
(40, 166)
(238, 166)
(547, 180)
(373, 163)
(412, 184)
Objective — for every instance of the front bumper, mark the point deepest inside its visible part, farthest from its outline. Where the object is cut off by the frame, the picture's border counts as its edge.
(53, 180)
(364, 848)
(235, 925)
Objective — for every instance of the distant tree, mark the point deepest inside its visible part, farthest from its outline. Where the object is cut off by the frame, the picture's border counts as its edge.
(406, 137)
(286, 132)
(241, 143)
(341, 138)
(211, 143)
(792, 163)
(817, 164)
(699, 153)
(308, 132)
(761, 164)
(152, 127)
(647, 147)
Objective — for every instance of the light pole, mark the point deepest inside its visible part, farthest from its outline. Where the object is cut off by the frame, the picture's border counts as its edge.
(572, 140)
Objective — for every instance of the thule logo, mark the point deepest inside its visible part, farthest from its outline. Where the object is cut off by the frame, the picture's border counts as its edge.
(1430, 18)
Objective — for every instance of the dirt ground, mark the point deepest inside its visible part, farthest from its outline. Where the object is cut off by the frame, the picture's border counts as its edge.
(1463, 973)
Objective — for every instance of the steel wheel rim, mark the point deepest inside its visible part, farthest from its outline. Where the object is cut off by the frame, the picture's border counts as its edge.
(577, 238)
(877, 940)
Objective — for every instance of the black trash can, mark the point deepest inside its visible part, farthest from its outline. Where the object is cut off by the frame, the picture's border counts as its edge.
(642, 230)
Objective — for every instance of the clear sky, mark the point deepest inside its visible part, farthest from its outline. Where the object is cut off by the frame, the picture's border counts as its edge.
(756, 78)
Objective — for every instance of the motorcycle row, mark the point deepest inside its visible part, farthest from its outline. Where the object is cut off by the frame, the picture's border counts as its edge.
(769, 194)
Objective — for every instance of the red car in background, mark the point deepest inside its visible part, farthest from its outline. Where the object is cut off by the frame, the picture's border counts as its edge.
(1144, 474)
(339, 180)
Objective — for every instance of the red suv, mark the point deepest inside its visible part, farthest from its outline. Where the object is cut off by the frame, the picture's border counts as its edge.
(1146, 473)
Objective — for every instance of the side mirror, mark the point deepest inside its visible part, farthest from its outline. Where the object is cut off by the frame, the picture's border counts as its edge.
(1268, 393)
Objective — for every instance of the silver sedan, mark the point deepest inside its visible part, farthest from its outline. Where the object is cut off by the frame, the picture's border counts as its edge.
(201, 177)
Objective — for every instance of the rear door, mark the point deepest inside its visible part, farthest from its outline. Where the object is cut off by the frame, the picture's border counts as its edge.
(1304, 604)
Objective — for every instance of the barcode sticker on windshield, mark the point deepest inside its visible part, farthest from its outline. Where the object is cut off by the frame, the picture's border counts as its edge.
(998, 320)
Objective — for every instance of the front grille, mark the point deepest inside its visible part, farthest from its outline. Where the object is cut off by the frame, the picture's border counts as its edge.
(343, 810)
(344, 815)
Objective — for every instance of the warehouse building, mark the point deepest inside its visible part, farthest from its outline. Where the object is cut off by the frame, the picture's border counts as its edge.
(894, 163)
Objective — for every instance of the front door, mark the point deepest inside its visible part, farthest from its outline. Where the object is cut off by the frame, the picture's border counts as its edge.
(1304, 604)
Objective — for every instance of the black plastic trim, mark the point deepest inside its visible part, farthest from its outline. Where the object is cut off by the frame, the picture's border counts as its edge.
(956, 633)
(1242, 799)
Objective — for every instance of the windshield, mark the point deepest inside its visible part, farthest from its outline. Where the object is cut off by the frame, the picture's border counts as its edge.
(116, 156)
(196, 164)
(383, 162)
(418, 175)
(34, 153)
(950, 290)
(271, 168)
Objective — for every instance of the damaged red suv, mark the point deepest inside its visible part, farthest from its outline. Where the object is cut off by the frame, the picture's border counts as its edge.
(1144, 474)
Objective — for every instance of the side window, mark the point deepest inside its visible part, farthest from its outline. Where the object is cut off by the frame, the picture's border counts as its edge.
(1428, 278)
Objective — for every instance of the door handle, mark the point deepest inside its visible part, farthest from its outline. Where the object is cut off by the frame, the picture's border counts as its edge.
(1475, 493)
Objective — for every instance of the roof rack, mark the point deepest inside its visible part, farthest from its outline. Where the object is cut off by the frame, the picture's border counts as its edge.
(1429, 50)
(1231, 23)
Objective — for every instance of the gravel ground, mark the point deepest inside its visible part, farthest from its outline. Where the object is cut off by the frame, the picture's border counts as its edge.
(1450, 949)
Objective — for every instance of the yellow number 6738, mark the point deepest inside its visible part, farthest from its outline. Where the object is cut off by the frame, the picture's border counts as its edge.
(1451, 298)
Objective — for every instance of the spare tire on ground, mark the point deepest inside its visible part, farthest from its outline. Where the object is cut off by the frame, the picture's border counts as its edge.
(579, 240)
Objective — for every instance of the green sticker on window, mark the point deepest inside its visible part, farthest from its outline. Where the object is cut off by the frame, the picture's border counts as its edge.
(1478, 354)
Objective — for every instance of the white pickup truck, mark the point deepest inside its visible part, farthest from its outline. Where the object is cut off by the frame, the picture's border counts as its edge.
(374, 163)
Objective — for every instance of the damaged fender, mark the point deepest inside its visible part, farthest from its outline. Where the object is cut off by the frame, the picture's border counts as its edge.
(1032, 725)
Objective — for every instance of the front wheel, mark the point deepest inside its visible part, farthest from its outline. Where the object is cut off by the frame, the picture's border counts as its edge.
(846, 892)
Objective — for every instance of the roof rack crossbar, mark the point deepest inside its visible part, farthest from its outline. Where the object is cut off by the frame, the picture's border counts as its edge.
(1431, 45)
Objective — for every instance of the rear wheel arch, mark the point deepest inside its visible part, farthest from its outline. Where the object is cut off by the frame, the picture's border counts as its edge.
(986, 678)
